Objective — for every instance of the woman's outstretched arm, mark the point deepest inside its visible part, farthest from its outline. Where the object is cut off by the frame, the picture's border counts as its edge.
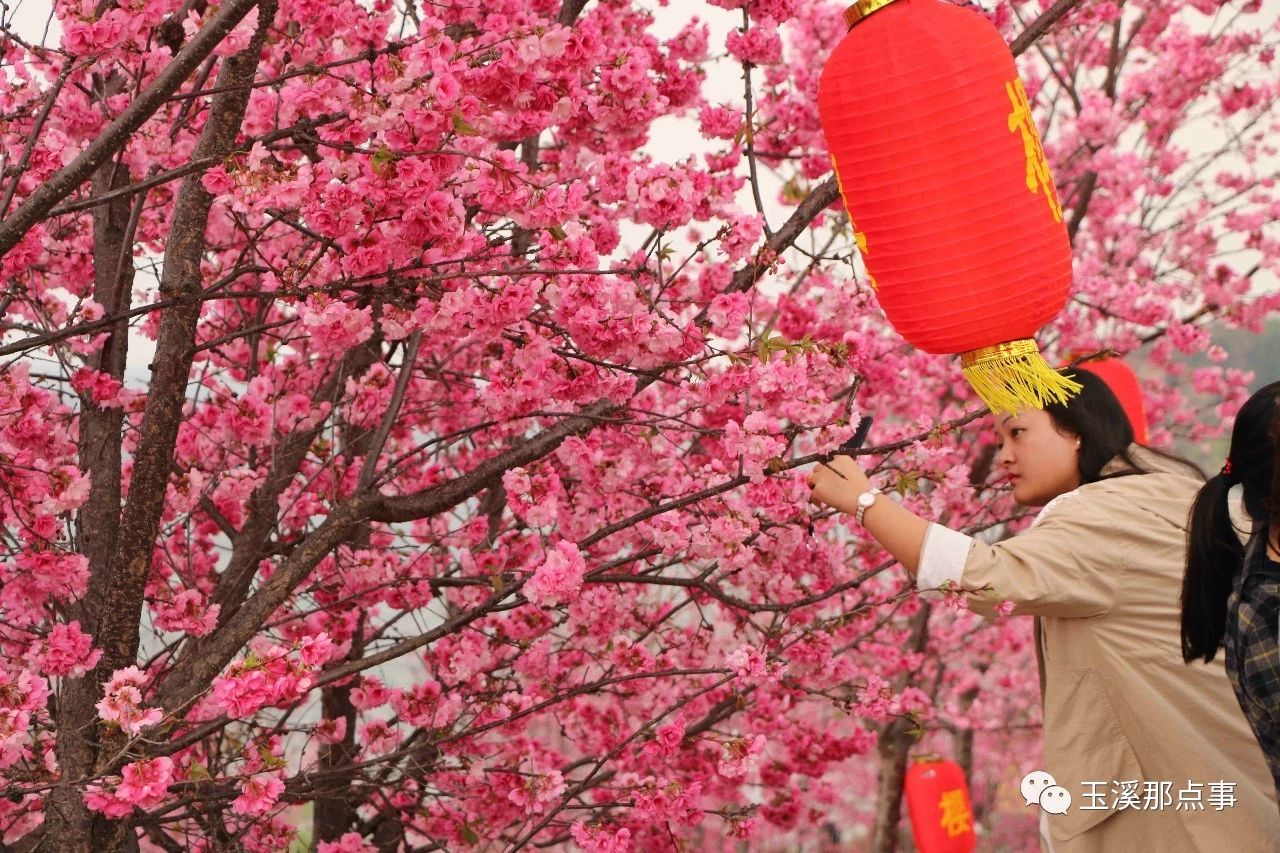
(1067, 565)
(898, 530)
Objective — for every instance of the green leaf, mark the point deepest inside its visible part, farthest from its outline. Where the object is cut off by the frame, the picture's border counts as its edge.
(793, 192)
(382, 160)
(769, 344)
(462, 126)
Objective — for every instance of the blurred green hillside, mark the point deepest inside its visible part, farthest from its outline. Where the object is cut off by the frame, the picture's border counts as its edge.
(1258, 353)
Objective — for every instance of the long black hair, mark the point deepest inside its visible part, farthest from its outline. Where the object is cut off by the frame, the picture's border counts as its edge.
(1097, 418)
(1214, 551)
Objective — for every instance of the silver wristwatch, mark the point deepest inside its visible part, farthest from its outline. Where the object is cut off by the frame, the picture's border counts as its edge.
(865, 500)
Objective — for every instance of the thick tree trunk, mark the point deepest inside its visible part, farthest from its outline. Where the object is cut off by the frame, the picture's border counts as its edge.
(336, 801)
(894, 745)
(894, 748)
(119, 546)
(97, 522)
(964, 757)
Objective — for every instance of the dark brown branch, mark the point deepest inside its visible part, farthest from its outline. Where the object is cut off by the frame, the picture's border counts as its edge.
(247, 546)
(1084, 194)
(99, 453)
(893, 746)
(175, 349)
(570, 11)
(1041, 25)
(439, 498)
(370, 466)
(822, 197)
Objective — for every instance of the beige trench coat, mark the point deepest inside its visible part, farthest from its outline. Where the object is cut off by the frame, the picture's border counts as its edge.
(1102, 569)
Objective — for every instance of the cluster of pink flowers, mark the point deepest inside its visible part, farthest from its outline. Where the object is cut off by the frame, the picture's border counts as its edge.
(122, 701)
(142, 784)
(23, 696)
(67, 651)
(269, 675)
(558, 580)
(189, 612)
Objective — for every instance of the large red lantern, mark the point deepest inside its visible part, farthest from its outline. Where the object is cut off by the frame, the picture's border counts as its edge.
(1123, 382)
(946, 183)
(939, 806)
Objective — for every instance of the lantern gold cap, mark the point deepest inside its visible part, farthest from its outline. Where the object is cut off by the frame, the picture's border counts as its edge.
(862, 9)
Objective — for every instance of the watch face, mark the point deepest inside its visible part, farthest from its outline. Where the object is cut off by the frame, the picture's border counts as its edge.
(866, 499)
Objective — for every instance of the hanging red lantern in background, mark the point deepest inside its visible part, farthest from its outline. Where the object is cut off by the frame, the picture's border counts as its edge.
(1123, 382)
(946, 183)
(939, 806)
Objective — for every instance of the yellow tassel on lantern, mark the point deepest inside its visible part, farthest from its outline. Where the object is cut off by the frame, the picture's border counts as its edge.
(1013, 376)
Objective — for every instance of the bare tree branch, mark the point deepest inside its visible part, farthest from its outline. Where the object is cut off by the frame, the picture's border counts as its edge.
(570, 11)
(1041, 25)
(370, 466)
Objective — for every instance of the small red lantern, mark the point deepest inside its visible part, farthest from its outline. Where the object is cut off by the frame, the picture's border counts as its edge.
(938, 803)
(1123, 382)
(954, 209)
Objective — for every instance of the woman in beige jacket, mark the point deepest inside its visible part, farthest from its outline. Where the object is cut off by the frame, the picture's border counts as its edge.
(1155, 755)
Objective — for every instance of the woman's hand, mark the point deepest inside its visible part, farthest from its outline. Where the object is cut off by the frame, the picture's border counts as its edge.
(839, 493)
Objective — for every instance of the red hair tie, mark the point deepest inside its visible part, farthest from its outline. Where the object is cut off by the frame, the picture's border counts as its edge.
(1226, 468)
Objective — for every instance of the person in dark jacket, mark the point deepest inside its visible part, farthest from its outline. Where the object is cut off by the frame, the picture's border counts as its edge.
(1231, 589)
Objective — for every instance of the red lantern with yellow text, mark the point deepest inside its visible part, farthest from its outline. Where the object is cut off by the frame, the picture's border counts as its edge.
(946, 183)
(938, 803)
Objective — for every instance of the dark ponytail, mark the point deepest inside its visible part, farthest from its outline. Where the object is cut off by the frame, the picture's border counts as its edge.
(1214, 551)
(1273, 507)
(1214, 555)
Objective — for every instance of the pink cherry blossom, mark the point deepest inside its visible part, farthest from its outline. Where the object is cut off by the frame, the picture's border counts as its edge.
(189, 612)
(558, 579)
(350, 842)
(259, 795)
(67, 651)
(122, 701)
(145, 783)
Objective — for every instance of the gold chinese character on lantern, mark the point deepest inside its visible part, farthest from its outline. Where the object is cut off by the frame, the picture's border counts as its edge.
(1021, 121)
(956, 817)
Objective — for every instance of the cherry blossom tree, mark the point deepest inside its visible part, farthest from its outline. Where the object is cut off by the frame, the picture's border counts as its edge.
(461, 501)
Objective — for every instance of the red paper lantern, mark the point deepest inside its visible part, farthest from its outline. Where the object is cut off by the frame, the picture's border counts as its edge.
(954, 210)
(939, 806)
(1123, 382)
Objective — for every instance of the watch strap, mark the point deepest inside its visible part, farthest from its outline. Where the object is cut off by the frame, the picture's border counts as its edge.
(863, 507)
